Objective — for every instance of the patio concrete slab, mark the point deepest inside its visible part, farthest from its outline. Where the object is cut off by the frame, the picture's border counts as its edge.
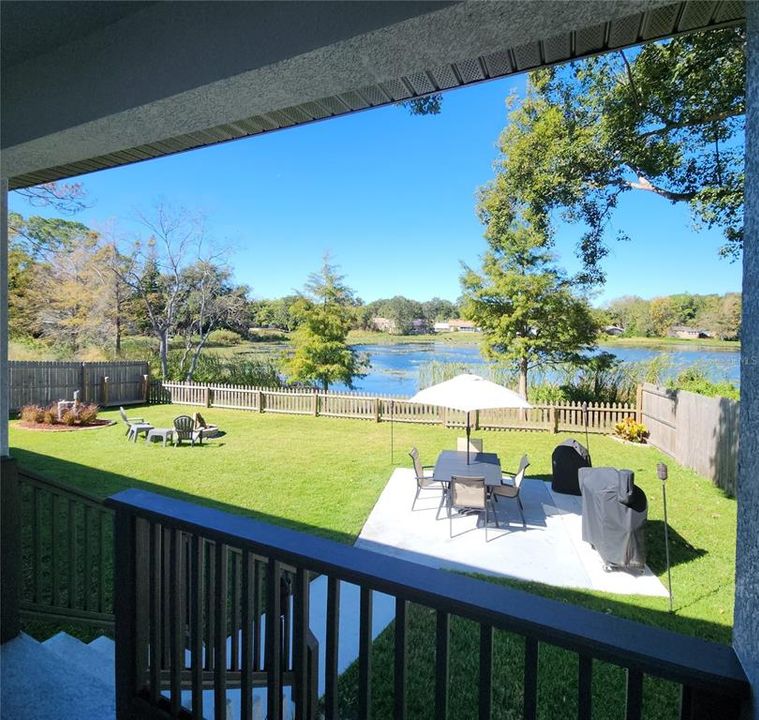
(548, 550)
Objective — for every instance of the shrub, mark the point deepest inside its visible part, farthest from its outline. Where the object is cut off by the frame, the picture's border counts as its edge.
(50, 414)
(224, 338)
(88, 413)
(695, 379)
(32, 414)
(630, 429)
(69, 417)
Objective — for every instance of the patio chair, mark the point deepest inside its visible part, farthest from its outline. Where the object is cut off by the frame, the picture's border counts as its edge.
(424, 479)
(184, 429)
(469, 494)
(511, 488)
(475, 445)
(134, 425)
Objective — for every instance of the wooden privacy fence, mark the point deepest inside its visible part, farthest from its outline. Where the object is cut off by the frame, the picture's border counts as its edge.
(699, 432)
(567, 417)
(104, 383)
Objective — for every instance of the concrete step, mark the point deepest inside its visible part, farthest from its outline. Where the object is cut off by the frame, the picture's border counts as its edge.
(104, 645)
(45, 682)
(88, 659)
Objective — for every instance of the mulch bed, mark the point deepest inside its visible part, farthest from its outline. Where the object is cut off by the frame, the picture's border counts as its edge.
(58, 427)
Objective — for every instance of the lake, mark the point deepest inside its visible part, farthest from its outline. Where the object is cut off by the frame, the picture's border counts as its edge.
(395, 368)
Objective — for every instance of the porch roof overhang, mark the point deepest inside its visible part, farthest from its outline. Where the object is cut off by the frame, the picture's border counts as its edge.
(92, 85)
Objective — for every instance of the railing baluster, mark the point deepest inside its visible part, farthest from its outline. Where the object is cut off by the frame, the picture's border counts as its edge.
(333, 639)
(442, 637)
(257, 614)
(87, 560)
(486, 672)
(365, 655)
(176, 620)
(401, 658)
(273, 640)
(210, 605)
(72, 553)
(235, 617)
(220, 639)
(54, 561)
(155, 615)
(248, 638)
(102, 554)
(634, 695)
(196, 625)
(584, 688)
(300, 646)
(530, 678)
(165, 598)
(36, 551)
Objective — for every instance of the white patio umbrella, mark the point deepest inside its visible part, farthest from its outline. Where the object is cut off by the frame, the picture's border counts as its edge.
(469, 393)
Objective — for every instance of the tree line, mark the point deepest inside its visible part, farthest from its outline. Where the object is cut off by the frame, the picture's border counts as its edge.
(717, 315)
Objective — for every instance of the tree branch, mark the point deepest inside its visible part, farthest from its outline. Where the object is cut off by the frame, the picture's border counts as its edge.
(645, 184)
(670, 125)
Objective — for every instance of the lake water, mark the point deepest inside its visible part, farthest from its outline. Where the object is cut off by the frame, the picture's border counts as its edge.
(395, 368)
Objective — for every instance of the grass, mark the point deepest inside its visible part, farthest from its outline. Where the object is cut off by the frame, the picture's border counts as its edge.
(665, 342)
(324, 475)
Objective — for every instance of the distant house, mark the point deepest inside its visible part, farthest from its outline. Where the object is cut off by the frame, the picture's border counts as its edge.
(687, 333)
(463, 326)
(442, 327)
(613, 330)
(418, 326)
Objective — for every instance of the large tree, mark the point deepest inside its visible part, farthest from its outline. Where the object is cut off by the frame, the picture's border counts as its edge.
(529, 313)
(325, 311)
(666, 118)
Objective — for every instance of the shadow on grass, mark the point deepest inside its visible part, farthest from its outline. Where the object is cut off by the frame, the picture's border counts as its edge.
(104, 483)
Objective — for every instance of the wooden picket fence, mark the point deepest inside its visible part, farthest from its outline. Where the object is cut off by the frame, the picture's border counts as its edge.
(105, 383)
(566, 417)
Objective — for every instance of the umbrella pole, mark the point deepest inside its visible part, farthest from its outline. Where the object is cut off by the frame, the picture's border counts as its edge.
(468, 431)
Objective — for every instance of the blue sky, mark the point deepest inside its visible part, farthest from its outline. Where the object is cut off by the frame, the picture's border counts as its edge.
(392, 197)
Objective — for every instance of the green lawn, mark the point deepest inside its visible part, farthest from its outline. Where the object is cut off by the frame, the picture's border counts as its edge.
(324, 475)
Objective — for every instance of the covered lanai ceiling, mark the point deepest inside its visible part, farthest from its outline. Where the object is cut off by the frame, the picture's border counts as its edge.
(93, 85)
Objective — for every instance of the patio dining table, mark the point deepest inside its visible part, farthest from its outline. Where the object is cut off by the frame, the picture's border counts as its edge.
(452, 462)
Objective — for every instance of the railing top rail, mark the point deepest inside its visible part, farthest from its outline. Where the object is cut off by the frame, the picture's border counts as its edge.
(60, 488)
(652, 650)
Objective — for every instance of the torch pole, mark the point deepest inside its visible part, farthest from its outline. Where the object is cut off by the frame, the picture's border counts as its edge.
(661, 471)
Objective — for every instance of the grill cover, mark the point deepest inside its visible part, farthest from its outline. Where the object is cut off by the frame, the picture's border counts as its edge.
(567, 459)
(614, 513)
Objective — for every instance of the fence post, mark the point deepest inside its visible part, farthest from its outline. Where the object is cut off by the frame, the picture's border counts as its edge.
(553, 419)
(261, 401)
(377, 402)
(146, 380)
(639, 403)
(316, 403)
(104, 391)
(476, 419)
(82, 391)
(208, 396)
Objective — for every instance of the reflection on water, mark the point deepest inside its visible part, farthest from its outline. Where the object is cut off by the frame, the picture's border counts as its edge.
(395, 368)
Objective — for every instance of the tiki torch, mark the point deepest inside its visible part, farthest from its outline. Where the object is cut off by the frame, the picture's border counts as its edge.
(661, 471)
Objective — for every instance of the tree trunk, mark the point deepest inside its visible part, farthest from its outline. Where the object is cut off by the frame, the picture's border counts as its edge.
(523, 377)
(163, 350)
(118, 335)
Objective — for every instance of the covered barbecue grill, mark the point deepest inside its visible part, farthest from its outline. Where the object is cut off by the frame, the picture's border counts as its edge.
(566, 460)
(614, 513)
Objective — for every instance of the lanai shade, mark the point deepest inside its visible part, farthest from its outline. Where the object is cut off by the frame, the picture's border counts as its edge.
(470, 393)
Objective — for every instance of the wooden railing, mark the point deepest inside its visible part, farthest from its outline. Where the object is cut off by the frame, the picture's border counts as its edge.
(564, 417)
(66, 553)
(153, 533)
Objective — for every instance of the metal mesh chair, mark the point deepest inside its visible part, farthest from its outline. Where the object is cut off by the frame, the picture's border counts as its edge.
(469, 494)
(424, 479)
(511, 489)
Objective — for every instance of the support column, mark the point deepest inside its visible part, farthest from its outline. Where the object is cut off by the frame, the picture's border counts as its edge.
(746, 625)
(4, 399)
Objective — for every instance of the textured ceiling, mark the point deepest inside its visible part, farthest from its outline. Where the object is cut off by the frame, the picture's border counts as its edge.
(656, 23)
